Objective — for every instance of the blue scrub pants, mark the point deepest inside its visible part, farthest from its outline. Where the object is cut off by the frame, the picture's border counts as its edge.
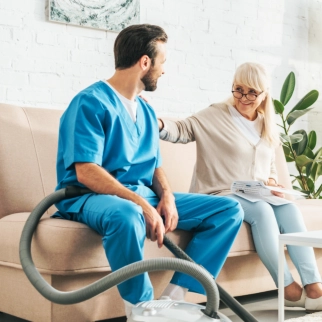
(214, 222)
(267, 222)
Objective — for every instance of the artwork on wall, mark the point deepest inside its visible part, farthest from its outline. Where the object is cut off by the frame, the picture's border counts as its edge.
(112, 15)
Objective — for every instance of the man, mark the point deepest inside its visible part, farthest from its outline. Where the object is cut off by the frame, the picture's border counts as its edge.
(109, 142)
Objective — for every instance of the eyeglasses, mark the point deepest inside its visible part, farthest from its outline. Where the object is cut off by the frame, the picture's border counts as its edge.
(249, 96)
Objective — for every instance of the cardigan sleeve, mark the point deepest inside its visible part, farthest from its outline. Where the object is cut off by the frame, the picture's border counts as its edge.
(178, 131)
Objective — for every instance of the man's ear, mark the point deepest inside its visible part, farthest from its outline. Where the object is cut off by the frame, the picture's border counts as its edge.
(145, 62)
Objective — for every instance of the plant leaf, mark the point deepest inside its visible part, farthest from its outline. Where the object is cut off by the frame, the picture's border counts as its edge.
(286, 149)
(289, 159)
(303, 160)
(312, 140)
(306, 101)
(279, 107)
(318, 172)
(308, 169)
(287, 153)
(318, 155)
(299, 189)
(288, 88)
(318, 192)
(292, 117)
(299, 181)
(285, 138)
(309, 153)
(313, 170)
(300, 146)
(294, 138)
(310, 184)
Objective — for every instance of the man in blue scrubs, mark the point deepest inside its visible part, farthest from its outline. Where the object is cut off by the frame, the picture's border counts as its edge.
(109, 142)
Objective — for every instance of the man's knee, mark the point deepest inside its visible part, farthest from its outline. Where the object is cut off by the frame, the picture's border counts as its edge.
(237, 214)
(235, 210)
(127, 217)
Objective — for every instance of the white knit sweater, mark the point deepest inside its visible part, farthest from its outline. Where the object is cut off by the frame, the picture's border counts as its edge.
(224, 153)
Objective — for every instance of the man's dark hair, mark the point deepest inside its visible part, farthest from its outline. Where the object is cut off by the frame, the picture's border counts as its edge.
(136, 41)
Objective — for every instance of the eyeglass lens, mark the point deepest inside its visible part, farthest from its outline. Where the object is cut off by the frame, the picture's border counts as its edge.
(249, 96)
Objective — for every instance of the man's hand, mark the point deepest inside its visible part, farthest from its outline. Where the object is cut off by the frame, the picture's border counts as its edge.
(168, 209)
(99, 180)
(272, 182)
(166, 206)
(154, 224)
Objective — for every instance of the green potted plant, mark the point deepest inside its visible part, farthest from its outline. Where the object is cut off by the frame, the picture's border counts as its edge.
(300, 147)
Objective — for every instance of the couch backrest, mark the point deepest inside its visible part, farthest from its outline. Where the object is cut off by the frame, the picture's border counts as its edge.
(178, 161)
(28, 147)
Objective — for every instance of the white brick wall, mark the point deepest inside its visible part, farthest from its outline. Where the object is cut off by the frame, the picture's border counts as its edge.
(315, 66)
(45, 64)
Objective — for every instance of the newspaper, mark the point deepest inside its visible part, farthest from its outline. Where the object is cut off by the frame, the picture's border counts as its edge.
(256, 191)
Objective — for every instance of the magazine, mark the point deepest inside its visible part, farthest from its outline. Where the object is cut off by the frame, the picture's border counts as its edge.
(256, 191)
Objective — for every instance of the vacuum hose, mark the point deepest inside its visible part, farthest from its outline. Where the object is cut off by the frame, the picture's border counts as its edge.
(112, 279)
(225, 297)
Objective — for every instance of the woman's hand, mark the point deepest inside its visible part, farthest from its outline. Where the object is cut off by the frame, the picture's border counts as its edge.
(160, 124)
(271, 182)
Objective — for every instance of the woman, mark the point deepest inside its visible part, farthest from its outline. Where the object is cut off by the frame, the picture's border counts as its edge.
(236, 140)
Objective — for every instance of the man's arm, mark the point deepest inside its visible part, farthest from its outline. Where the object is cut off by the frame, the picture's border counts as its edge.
(166, 206)
(100, 181)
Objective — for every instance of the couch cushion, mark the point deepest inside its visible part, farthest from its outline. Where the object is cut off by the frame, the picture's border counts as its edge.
(59, 246)
(63, 247)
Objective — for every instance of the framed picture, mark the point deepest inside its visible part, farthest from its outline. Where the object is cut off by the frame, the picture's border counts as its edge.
(112, 15)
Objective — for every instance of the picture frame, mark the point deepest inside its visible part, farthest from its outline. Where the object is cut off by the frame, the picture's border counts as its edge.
(112, 15)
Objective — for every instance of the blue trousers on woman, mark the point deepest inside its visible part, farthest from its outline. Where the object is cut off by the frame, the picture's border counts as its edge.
(267, 222)
(214, 222)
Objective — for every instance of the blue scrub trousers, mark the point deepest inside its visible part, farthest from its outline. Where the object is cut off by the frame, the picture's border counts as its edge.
(267, 222)
(213, 220)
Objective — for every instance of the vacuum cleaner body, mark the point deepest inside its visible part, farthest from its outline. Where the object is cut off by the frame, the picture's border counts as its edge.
(166, 310)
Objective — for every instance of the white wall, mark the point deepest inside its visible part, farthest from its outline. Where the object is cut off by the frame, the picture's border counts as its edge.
(44, 63)
(315, 65)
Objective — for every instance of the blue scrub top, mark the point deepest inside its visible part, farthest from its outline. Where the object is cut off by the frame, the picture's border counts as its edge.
(97, 128)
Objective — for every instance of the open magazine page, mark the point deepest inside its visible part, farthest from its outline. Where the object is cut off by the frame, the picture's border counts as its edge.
(256, 191)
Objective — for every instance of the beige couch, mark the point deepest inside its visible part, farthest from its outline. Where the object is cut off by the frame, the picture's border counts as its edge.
(69, 254)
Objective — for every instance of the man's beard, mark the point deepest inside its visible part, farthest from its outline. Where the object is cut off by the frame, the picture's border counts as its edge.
(149, 82)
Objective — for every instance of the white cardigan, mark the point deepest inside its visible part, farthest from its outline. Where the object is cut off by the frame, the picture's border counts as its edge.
(224, 153)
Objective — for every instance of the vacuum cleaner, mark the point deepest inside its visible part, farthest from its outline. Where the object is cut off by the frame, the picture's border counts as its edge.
(162, 310)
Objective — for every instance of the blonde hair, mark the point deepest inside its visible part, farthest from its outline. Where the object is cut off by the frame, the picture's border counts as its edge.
(255, 76)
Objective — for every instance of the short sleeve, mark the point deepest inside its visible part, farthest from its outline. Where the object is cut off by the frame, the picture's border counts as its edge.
(83, 132)
(159, 158)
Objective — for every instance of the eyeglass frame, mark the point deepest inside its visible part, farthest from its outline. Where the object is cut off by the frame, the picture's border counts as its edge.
(246, 95)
